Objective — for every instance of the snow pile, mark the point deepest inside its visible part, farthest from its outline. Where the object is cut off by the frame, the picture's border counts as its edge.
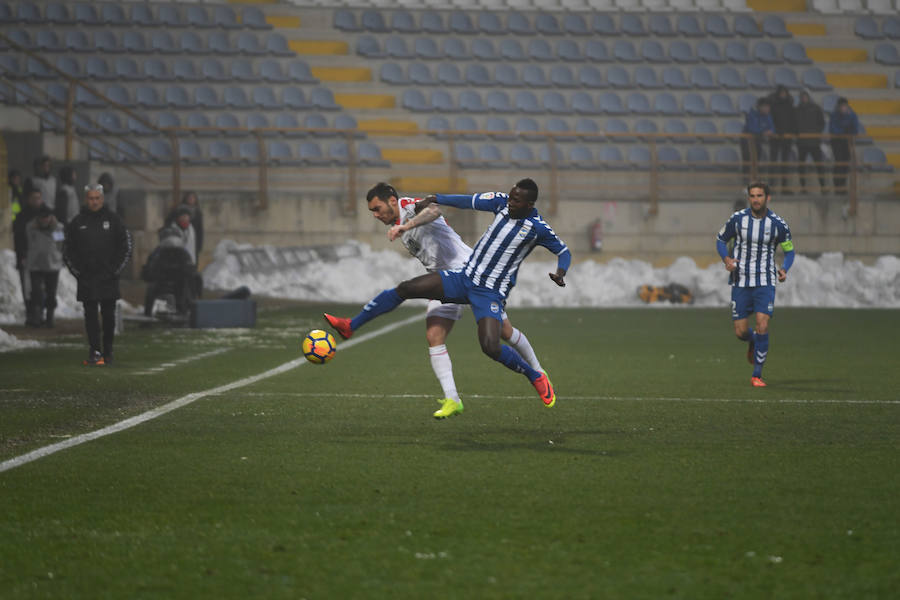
(12, 310)
(829, 281)
(10, 342)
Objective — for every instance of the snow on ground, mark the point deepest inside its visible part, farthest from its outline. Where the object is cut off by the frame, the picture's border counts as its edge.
(828, 281)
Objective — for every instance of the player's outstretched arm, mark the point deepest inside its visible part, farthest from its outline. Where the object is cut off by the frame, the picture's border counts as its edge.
(427, 215)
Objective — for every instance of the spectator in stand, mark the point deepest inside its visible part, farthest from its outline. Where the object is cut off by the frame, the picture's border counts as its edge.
(758, 122)
(96, 250)
(44, 180)
(33, 204)
(190, 203)
(785, 121)
(810, 124)
(66, 205)
(843, 123)
(110, 193)
(16, 193)
(45, 240)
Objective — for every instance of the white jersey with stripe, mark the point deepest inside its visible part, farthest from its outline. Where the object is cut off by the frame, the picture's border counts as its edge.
(435, 244)
(496, 257)
(754, 247)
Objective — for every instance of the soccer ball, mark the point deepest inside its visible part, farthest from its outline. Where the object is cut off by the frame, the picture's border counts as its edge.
(319, 346)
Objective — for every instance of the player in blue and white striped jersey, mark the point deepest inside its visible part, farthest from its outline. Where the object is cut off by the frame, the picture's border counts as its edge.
(757, 231)
(487, 277)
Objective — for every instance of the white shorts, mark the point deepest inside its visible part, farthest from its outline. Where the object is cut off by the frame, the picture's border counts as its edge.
(451, 311)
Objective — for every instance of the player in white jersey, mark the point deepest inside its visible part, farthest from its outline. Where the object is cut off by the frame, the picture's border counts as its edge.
(428, 237)
(756, 232)
(516, 230)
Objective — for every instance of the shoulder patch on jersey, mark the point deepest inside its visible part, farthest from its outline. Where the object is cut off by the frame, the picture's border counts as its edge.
(486, 196)
(404, 202)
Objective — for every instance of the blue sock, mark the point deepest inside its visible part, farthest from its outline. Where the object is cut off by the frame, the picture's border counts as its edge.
(748, 336)
(511, 359)
(384, 302)
(760, 351)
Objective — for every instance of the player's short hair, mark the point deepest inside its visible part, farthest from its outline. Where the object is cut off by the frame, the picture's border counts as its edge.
(383, 191)
(529, 186)
(763, 186)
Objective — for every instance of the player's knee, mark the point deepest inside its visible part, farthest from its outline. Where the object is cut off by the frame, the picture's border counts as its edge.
(435, 338)
(491, 348)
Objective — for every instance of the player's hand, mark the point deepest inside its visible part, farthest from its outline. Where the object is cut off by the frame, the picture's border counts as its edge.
(558, 279)
(425, 203)
(730, 264)
(782, 275)
(395, 231)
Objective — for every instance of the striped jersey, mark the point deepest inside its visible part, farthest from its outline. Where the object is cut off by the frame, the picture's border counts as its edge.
(496, 257)
(435, 244)
(754, 246)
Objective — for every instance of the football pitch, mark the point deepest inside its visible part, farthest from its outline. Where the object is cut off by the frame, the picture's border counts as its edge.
(660, 472)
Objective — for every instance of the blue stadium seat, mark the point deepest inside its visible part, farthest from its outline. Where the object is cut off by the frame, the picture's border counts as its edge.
(420, 74)
(133, 41)
(442, 101)
(717, 26)
(637, 103)
(521, 156)
(370, 155)
(757, 78)
(46, 39)
(733, 127)
(489, 22)
(160, 151)
(194, 120)
(569, 50)
(702, 78)
(141, 14)
(258, 121)
(581, 157)
(726, 158)
(539, 49)
(124, 67)
(235, 97)
(413, 99)
(694, 104)
(339, 153)
(403, 21)
(426, 48)
(37, 69)
(652, 51)
(10, 67)
(562, 76)
(738, 52)
(874, 159)
(190, 43)
(547, 24)
(316, 121)
(773, 26)
(631, 24)
(395, 47)
(128, 151)
(519, 24)
(55, 92)
(196, 16)
(470, 101)
(681, 52)
(218, 42)
(464, 156)
(146, 96)
(603, 25)
(639, 157)
(611, 104)
(156, 69)
(669, 158)
(526, 101)
(113, 14)
(461, 22)
(162, 41)
(545, 157)
(587, 129)
(455, 49)
(583, 103)
(86, 14)
(467, 126)
(483, 49)
(21, 37)
(77, 41)
(574, 24)
(697, 156)
(57, 13)
(323, 99)
(248, 152)
(392, 73)
(891, 28)
(212, 69)
(277, 45)
(721, 104)
(229, 122)
(765, 52)
(189, 152)
(590, 76)
(437, 124)
(168, 15)
(705, 127)
(344, 20)
(448, 74)
(814, 79)
(787, 77)
(6, 14)
(253, 17)
(708, 52)
(221, 153)
(491, 157)
(242, 70)
(746, 26)
(661, 26)
(498, 101)
(248, 43)
(270, 70)
(176, 96)
(533, 76)
(560, 128)
(618, 77)
(110, 122)
(886, 54)
(498, 127)
(610, 157)
(555, 103)
(746, 102)
(795, 53)
(280, 153)
(689, 26)
(623, 50)
(676, 128)
(673, 78)
(477, 74)
(432, 22)
(729, 78)
(287, 121)
(118, 94)
(511, 49)
(595, 50)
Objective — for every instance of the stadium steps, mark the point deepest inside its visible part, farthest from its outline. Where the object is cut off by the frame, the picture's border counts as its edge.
(875, 106)
(413, 156)
(342, 73)
(284, 21)
(858, 80)
(387, 126)
(789, 6)
(837, 55)
(807, 29)
(365, 101)
(319, 47)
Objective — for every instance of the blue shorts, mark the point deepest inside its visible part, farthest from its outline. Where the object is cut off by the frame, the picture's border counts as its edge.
(746, 300)
(459, 289)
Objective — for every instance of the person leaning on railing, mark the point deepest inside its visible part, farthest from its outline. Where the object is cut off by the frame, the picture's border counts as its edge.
(758, 122)
(843, 123)
(810, 124)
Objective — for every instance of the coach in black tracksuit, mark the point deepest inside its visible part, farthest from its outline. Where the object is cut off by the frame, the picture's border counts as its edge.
(97, 249)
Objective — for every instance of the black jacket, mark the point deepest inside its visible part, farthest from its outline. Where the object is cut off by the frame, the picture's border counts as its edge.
(810, 119)
(20, 238)
(96, 250)
(783, 114)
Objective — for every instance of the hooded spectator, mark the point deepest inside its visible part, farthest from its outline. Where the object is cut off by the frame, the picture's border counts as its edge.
(44, 180)
(810, 124)
(33, 204)
(785, 121)
(758, 122)
(45, 240)
(843, 123)
(67, 205)
(190, 203)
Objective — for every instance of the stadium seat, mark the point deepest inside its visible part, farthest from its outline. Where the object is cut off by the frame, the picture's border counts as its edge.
(874, 159)
(637, 103)
(120, 95)
(733, 127)
(270, 70)
(891, 28)
(729, 78)
(787, 77)
(37, 69)
(526, 101)
(595, 50)
(279, 153)
(590, 76)
(511, 49)
(47, 40)
(795, 53)
(128, 151)
(491, 157)
(704, 128)
(746, 102)
(287, 121)
(773, 26)
(623, 50)
(546, 158)
(765, 52)
(611, 104)
(507, 76)
(669, 158)
(618, 77)
(666, 104)
(467, 126)
(689, 26)
(489, 22)
(339, 153)
(190, 43)
(498, 127)
(681, 52)
(141, 14)
(470, 101)
(702, 78)
(77, 41)
(610, 157)
(403, 22)
(20, 37)
(555, 103)
(57, 13)
(547, 24)
(160, 151)
(146, 96)
(235, 97)
(746, 26)
(652, 51)
(110, 122)
(230, 123)
(539, 49)
(248, 43)
(708, 52)
(521, 156)
(196, 16)
(212, 69)
(568, 50)
(448, 74)
(639, 157)
(221, 153)
(757, 78)
(660, 26)
(124, 67)
(426, 48)
(316, 121)
(694, 104)
(697, 157)
(392, 73)
(886, 54)
(676, 128)
(455, 49)
(218, 42)
(413, 99)
(717, 26)
(242, 70)
(464, 156)
(133, 41)
(163, 42)
(583, 103)
(586, 129)
(517, 23)
(721, 104)
(461, 22)
(442, 101)
(814, 79)
(631, 24)
(581, 157)
(276, 44)
(882, 7)
(368, 46)
(155, 69)
(562, 76)
(323, 99)
(248, 152)
(560, 128)
(258, 121)
(344, 20)
(254, 18)
(603, 25)
(574, 24)
(86, 14)
(498, 101)
(370, 155)
(55, 92)
(10, 67)
(673, 78)
(533, 76)
(483, 49)
(432, 22)
(737, 52)
(395, 47)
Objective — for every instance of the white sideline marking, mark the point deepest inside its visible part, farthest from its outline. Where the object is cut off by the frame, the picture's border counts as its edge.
(181, 361)
(18, 461)
(609, 398)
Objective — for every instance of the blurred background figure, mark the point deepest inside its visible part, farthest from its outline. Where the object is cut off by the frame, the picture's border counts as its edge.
(33, 204)
(16, 193)
(44, 180)
(44, 260)
(172, 266)
(785, 122)
(843, 123)
(66, 205)
(110, 192)
(191, 204)
(759, 123)
(810, 124)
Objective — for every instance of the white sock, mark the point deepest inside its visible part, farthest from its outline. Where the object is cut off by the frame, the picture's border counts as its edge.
(518, 341)
(443, 369)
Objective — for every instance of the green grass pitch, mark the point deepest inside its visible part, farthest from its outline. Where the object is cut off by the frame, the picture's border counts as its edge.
(659, 473)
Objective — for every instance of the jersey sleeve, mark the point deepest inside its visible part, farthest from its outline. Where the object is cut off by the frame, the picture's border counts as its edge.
(549, 240)
(407, 208)
(487, 201)
(728, 230)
